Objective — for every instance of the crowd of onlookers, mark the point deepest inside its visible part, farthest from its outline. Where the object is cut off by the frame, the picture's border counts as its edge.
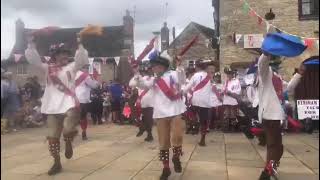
(20, 106)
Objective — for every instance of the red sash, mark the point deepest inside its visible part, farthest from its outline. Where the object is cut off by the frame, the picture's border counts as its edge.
(277, 84)
(81, 78)
(169, 92)
(218, 94)
(138, 102)
(53, 70)
(200, 86)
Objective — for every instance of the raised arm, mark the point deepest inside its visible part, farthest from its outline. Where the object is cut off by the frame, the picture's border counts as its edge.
(293, 83)
(187, 87)
(145, 83)
(81, 58)
(263, 67)
(181, 75)
(92, 83)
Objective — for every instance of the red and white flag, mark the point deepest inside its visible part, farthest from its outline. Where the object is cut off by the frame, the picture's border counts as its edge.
(104, 60)
(17, 57)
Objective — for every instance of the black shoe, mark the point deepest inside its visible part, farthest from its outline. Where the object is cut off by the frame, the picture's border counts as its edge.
(56, 168)
(140, 133)
(149, 138)
(166, 172)
(177, 165)
(100, 122)
(264, 176)
(84, 136)
(202, 141)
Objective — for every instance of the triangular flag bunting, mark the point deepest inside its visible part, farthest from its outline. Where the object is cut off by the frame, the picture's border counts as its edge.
(268, 26)
(17, 57)
(252, 13)
(104, 60)
(91, 60)
(259, 20)
(117, 60)
(309, 42)
(238, 37)
(47, 58)
(246, 7)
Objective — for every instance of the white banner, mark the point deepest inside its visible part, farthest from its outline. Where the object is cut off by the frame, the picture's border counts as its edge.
(252, 41)
(308, 109)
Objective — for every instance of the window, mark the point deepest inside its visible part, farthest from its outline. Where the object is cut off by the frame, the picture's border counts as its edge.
(21, 69)
(308, 9)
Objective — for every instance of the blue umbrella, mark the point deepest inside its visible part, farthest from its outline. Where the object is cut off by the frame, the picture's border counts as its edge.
(280, 44)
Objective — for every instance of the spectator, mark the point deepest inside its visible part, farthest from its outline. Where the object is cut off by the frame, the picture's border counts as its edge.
(4, 93)
(96, 105)
(13, 103)
(116, 91)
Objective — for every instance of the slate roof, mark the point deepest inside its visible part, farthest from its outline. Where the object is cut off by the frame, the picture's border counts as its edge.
(109, 44)
(206, 31)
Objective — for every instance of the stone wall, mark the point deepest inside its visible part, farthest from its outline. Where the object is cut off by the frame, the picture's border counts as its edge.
(233, 19)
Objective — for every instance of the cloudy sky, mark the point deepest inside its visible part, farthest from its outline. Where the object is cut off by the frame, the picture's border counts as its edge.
(150, 15)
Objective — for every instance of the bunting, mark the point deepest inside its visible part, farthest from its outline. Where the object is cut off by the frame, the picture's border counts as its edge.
(17, 57)
(117, 60)
(308, 41)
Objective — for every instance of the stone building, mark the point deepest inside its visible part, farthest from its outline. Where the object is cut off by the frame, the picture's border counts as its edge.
(202, 49)
(116, 41)
(299, 17)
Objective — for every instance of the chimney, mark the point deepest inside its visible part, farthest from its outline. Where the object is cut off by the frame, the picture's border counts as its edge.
(21, 40)
(174, 33)
(165, 37)
(128, 23)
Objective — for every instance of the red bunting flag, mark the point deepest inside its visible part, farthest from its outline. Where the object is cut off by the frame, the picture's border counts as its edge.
(309, 42)
(17, 57)
(259, 20)
(252, 13)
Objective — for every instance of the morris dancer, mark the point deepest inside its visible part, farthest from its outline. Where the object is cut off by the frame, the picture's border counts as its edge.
(200, 89)
(168, 106)
(144, 103)
(59, 101)
(84, 83)
(232, 85)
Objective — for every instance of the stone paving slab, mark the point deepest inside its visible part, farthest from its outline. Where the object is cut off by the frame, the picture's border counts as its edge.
(113, 152)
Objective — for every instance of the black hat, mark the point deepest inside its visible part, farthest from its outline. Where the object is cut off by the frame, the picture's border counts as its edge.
(228, 70)
(160, 61)
(58, 49)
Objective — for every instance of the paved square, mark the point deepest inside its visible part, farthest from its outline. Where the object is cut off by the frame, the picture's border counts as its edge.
(113, 152)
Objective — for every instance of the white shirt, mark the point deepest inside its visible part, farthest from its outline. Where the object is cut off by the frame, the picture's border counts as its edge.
(234, 86)
(84, 88)
(269, 103)
(201, 97)
(163, 107)
(55, 101)
(215, 102)
(253, 95)
(147, 99)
